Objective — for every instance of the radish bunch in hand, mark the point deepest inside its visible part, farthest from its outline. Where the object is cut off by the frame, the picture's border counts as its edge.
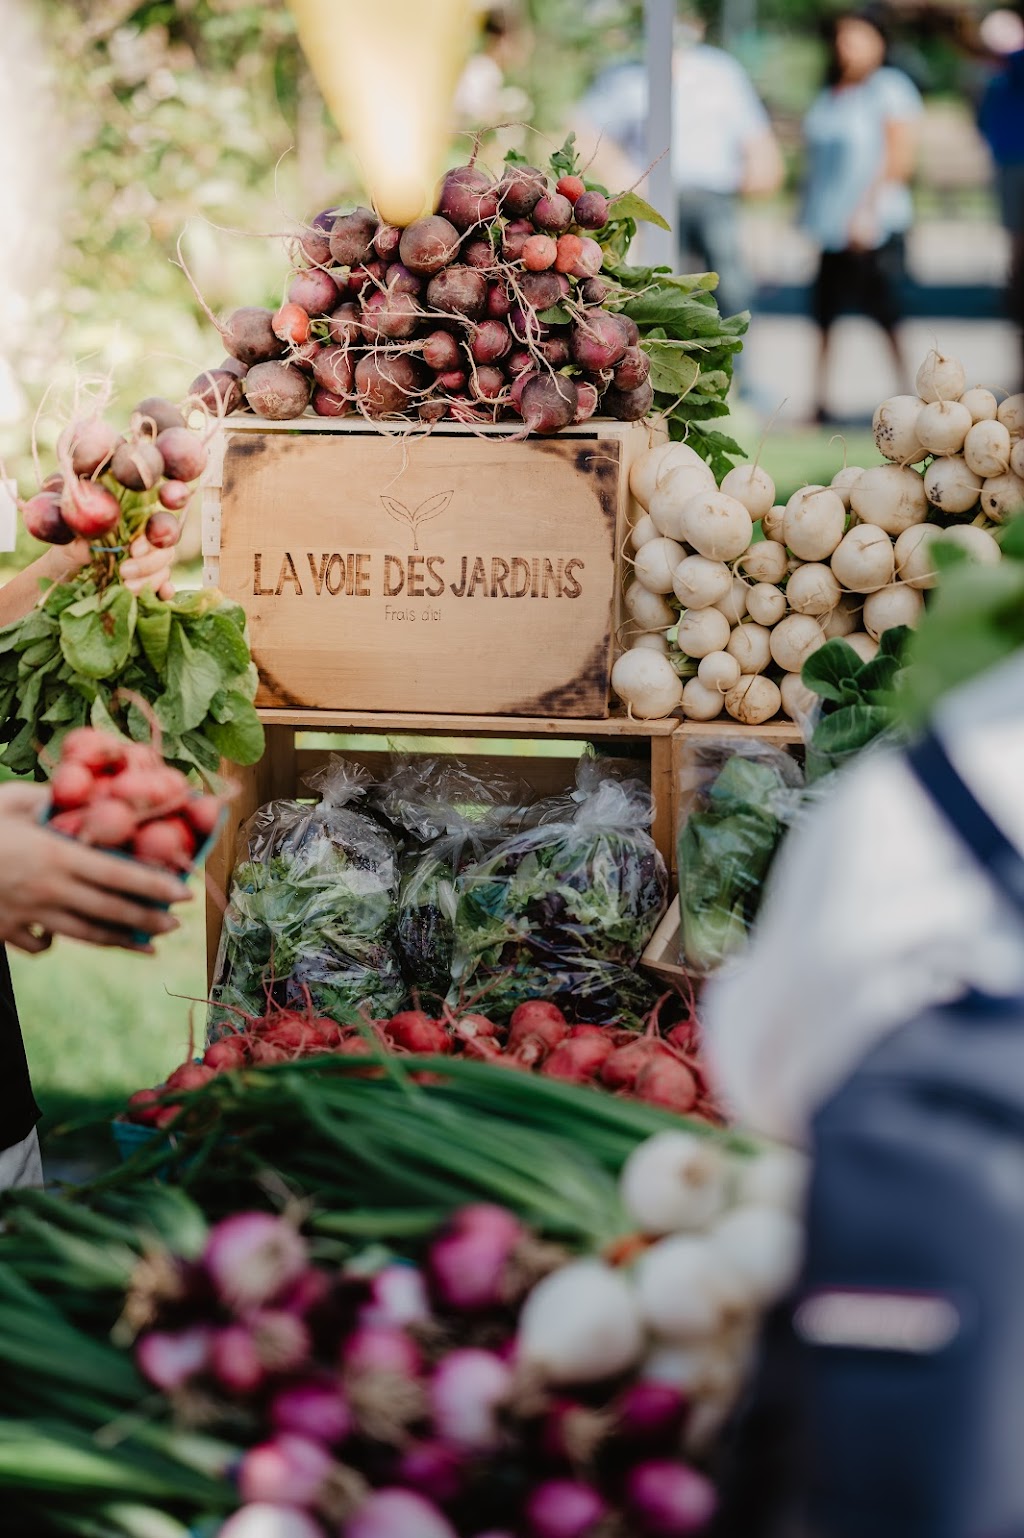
(121, 796)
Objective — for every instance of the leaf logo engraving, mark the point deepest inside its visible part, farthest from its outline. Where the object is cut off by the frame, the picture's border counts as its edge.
(431, 507)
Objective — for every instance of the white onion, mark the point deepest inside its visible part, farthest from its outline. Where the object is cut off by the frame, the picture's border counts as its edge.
(580, 1324)
(681, 1289)
(776, 1176)
(674, 1182)
(762, 1246)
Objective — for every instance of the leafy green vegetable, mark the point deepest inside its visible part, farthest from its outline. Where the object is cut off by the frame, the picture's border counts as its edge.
(61, 666)
(726, 849)
(858, 698)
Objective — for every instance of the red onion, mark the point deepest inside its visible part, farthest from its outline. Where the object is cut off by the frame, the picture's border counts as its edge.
(263, 1520)
(289, 1471)
(312, 1409)
(669, 1499)
(467, 1390)
(433, 1470)
(398, 1297)
(252, 1258)
(235, 1361)
(378, 1350)
(467, 1263)
(650, 1412)
(309, 1292)
(397, 1514)
(564, 1508)
(282, 1339)
(169, 1360)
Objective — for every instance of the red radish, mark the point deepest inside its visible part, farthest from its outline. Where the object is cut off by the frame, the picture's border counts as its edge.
(564, 1508)
(571, 187)
(539, 253)
(289, 1469)
(555, 351)
(190, 1076)
(89, 508)
(203, 812)
(540, 290)
(100, 752)
(263, 1051)
(397, 1514)
(162, 529)
(519, 189)
(229, 1052)
(235, 1361)
(352, 237)
(416, 1032)
(485, 1051)
(428, 244)
(312, 290)
(252, 1258)
(553, 213)
(67, 823)
(520, 361)
(599, 340)
(669, 1499)
(633, 370)
(169, 842)
(138, 465)
(570, 248)
(474, 1027)
(174, 495)
(537, 1017)
(432, 1469)
(577, 1061)
(108, 824)
(143, 1105)
(91, 445)
(369, 276)
(44, 520)
(72, 785)
(372, 1349)
(467, 1390)
(325, 404)
(591, 211)
(312, 1409)
(169, 1360)
(666, 1082)
(452, 380)
(291, 322)
(386, 240)
(399, 280)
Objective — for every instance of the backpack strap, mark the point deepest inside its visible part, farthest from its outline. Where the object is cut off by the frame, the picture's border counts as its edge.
(950, 793)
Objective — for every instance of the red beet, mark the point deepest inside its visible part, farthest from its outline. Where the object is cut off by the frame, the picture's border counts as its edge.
(184, 454)
(479, 254)
(594, 291)
(487, 383)
(175, 495)
(352, 237)
(514, 237)
(541, 289)
(333, 370)
(400, 280)
(90, 444)
(633, 369)
(162, 529)
(327, 405)
(577, 1060)
(665, 1081)
(458, 290)
(44, 521)
(385, 385)
(249, 335)
(552, 213)
(385, 242)
(467, 197)
(441, 351)
(89, 508)
(519, 190)
(599, 341)
(590, 211)
(345, 325)
(72, 785)
(429, 244)
(154, 415)
(218, 391)
(587, 400)
(277, 391)
(629, 405)
(589, 262)
(498, 302)
(491, 341)
(315, 239)
(138, 464)
(548, 402)
(314, 290)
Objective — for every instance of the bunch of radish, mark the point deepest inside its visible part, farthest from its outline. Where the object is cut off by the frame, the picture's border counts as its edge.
(427, 1400)
(121, 796)
(111, 486)
(738, 615)
(660, 1069)
(721, 1241)
(492, 307)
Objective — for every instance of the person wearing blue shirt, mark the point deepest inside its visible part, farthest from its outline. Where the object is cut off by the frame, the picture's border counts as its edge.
(860, 137)
(1001, 120)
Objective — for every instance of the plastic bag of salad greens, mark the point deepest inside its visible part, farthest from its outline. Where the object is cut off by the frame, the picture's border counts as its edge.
(740, 797)
(563, 910)
(448, 816)
(312, 908)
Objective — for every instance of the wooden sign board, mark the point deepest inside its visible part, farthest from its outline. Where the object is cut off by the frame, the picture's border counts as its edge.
(449, 573)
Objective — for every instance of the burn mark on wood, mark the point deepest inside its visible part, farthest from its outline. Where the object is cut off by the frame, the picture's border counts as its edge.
(271, 690)
(584, 695)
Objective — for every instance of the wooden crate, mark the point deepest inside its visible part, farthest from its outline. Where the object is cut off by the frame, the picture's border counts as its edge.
(282, 768)
(453, 572)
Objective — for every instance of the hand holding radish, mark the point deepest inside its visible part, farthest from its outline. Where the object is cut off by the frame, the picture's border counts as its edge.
(144, 566)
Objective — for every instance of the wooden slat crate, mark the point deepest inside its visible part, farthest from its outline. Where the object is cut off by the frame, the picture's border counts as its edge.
(286, 761)
(454, 572)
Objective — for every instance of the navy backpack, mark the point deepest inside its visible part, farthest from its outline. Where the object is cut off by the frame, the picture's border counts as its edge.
(890, 1399)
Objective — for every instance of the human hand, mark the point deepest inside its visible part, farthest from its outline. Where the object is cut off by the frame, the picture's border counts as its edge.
(54, 886)
(144, 566)
(863, 232)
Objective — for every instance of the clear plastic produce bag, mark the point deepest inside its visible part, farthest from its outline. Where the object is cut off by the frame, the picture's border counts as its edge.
(739, 797)
(450, 817)
(563, 910)
(312, 910)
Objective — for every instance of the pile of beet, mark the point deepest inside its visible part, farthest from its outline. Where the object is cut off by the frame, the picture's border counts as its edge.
(660, 1069)
(492, 307)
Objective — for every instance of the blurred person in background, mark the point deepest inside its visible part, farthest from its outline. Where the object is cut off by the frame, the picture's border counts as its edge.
(483, 97)
(723, 149)
(1001, 121)
(860, 136)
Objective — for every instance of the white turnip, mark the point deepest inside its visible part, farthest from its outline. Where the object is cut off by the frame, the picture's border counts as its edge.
(890, 496)
(915, 564)
(951, 486)
(698, 582)
(657, 641)
(845, 617)
(940, 378)
(750, 645)
(1002, 496)
(766, 604)
(716, 525)
(794, 639)
(771, 523)
(701, 631)
(649, 610)
(942, 426)
(978, 543)
(1017, 457)
(814, 522)
(765, 561)
(895, 429)
(753, 487)
(844, 481)
(701, 703)
(898, 604)
(718, 671)
(982, 404)
(656, 464)
(675, 488)
(864, 645)
(643, 531)
(798, 702)
(734, 604)
(647, 683)
(812, 589)
(863, 561)
(987, 449)
(1011, 415)
(656, 562)
(754, 700)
